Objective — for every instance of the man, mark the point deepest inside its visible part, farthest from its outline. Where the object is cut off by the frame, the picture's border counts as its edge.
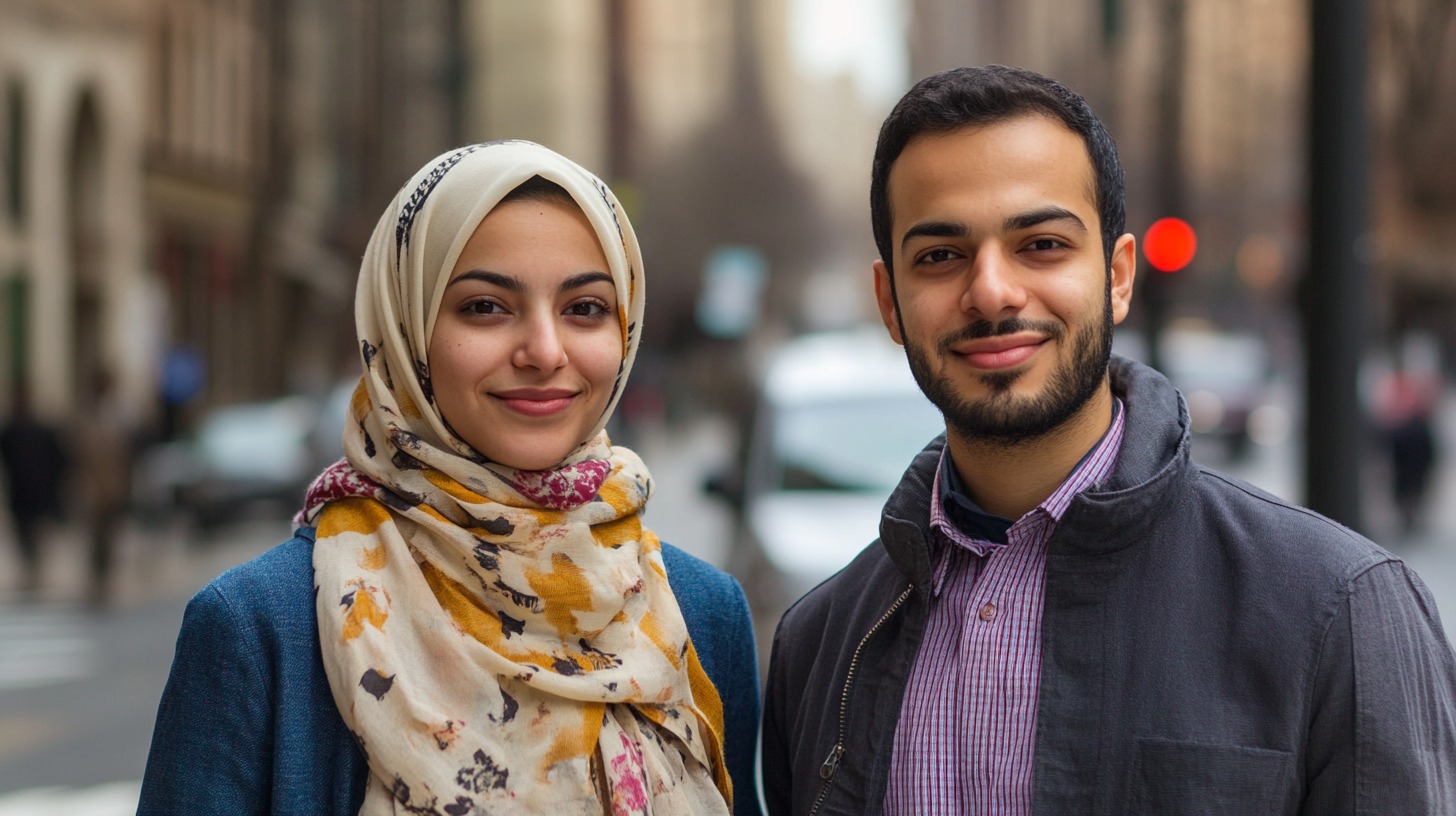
(1064, 614)
(35, 465)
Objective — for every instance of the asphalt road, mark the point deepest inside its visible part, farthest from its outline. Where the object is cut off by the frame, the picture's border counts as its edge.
(79, 685)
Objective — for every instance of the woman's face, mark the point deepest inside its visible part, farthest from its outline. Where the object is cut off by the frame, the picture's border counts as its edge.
(527, 343)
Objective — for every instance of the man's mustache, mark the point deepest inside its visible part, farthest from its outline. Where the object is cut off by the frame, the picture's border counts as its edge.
(981, 329)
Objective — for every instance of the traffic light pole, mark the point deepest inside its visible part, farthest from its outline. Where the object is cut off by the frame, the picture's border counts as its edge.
(1168, 162)
(1335, 294)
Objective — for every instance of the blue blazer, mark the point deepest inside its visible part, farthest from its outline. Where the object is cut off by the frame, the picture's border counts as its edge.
(247, 724)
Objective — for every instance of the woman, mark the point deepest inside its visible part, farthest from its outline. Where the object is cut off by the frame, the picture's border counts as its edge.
(486, 626)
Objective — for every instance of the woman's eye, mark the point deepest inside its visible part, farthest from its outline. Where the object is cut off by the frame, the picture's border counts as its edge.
(483, 307)
(587, 308)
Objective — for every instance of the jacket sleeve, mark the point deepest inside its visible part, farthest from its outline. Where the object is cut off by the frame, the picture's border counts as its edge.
(740, 709)
(718, 620)
(1383, 729)
(213, 742)
(774, 749)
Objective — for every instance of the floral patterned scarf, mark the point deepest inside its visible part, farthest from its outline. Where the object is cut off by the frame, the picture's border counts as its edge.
(499, 640)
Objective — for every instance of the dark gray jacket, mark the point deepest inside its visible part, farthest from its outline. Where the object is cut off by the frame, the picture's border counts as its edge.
(1207, 649)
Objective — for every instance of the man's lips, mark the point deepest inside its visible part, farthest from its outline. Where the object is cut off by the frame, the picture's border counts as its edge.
(536, 402)
(998, 352)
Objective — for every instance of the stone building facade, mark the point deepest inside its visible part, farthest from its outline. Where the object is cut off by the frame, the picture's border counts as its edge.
(73, 293)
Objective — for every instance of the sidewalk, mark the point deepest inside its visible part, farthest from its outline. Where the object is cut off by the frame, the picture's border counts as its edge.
(150, 562)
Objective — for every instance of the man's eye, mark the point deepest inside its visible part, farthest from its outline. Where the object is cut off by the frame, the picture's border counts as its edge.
(937, 256)
(1044, 245)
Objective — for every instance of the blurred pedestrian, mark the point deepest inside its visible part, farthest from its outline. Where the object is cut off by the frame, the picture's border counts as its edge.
(105, 440)
(1065, 613)
(471, 617)
(1405, 409)
(35, 465)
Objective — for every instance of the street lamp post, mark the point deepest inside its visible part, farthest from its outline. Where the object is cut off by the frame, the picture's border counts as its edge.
(1335, 294)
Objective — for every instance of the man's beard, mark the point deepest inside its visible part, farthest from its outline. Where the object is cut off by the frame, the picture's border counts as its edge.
(1001, 417)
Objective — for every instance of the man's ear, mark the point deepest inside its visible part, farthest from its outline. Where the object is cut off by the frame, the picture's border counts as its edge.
(885, 299)
(1123, 271)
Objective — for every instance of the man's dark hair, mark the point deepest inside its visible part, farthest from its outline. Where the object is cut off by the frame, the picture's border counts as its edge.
(984, 95)
(539, 189)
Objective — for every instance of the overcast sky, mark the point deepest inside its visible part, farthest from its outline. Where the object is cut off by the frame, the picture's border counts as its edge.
(864, 38)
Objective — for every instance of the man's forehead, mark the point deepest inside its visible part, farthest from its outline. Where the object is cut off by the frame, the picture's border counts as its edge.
(1022, 158)
(970, 142)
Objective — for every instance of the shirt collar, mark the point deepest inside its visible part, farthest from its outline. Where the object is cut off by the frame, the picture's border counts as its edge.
(981, 533)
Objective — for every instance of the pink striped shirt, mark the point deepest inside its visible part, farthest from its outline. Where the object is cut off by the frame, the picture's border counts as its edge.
(966, 734)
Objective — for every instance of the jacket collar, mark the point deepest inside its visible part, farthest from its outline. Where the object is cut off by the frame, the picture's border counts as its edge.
(1154, 456)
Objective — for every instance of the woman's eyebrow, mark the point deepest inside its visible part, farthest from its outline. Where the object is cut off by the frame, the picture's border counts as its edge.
(584, 279)
(517, 285)
(492, 278)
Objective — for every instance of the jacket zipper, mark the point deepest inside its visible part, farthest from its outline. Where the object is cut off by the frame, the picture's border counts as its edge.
(831, 762)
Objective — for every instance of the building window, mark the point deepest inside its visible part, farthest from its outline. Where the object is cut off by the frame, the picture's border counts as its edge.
(14, 306)
(14, 158)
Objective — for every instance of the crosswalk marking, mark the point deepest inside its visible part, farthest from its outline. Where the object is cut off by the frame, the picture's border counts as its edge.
(111, 799)
(40, 645)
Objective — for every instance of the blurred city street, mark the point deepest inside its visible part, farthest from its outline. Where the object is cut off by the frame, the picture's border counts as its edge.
(187, 189)
(79, 686)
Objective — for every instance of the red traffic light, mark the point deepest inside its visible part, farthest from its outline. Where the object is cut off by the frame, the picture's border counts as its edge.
(1169, 244)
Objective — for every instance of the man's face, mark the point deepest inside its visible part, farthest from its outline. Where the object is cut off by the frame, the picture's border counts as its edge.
(1001, 296)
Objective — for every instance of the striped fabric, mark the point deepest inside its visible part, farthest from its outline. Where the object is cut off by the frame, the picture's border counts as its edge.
(965, 739)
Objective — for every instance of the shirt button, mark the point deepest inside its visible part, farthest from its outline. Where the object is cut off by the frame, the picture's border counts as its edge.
(987, 612)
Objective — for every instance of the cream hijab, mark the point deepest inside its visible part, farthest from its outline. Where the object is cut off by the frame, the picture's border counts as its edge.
(499, 640)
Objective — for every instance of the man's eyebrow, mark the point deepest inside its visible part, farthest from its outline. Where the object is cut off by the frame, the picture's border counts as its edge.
(1040, 216)
(934, 229)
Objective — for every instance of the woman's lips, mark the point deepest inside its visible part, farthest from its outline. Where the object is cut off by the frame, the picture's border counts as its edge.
(537, 404)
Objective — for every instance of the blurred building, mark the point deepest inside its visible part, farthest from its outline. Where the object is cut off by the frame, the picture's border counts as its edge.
(207, 96)
(675, 104)
(188, 185)
(73, 295)
(363, 92)
(1415, 173)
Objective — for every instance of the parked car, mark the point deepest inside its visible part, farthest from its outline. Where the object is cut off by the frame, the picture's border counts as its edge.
(240, 457)
(839, 418)
(1226, 377)
(326, 437)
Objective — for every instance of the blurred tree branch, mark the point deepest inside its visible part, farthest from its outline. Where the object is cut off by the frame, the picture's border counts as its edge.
(1418, 36)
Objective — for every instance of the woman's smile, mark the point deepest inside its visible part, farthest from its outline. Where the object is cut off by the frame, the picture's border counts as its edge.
(536, 402)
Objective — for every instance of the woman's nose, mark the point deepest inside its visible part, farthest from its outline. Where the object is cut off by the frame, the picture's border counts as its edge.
(540, 345)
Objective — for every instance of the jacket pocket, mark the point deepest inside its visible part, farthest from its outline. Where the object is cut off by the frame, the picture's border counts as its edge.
(1175, 778)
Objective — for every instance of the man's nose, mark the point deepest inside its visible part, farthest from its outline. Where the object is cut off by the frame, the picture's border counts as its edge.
(994, 288)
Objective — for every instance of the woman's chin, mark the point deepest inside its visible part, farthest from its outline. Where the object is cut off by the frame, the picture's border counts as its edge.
(546, 456)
